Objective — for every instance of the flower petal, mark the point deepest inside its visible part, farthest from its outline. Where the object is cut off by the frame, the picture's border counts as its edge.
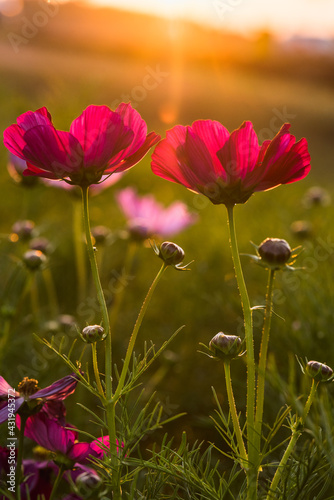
(151, 139)
(4, 408)
(102, 135)
(59, 390)
(239, 154)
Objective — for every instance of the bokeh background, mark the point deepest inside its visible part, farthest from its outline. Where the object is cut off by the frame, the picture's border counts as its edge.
(225, 60)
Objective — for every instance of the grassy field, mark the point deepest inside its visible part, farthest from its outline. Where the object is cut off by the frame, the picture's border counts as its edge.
(175, 74)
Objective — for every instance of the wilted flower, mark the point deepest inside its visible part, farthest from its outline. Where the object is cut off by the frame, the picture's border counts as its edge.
(229, 168)
(29, 398)
(319, 371)
(147, 218)
(100, 142)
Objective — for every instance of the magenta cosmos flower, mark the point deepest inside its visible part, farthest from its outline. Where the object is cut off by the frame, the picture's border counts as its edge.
(29, 398)
(146, 217)
(100, 142)
(51, 435)
(229, 168)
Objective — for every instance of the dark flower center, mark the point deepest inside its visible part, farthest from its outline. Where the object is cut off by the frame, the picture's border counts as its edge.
(28, 386)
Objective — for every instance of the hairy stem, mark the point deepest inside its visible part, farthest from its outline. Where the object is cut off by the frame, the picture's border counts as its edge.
(234, 415)
(253, 453)
(263, 360)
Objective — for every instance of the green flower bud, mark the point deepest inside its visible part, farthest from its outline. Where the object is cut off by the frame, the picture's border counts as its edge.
(275, 252)
(34, 259)
(319, 371)
(93, 333)
(225, 347)
(171, 253)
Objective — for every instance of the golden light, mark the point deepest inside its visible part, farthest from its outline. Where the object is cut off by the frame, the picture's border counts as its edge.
(11, 7)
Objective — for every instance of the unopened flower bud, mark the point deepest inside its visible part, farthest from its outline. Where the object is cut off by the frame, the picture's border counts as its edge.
(100, 234)
(34, 259)
(274, 251)
(171, 253)
(93, 333)
(319, 371)
(225, 347)
(24, 229)
(301, 228)
(42, 244)
(317, 196)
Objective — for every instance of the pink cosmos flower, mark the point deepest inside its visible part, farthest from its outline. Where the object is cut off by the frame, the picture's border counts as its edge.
(229, 168)
(100, 142)
(29, 397)
(146, 217)
(50, 434)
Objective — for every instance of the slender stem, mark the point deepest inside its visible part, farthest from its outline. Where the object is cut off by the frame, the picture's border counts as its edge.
(253, 453)
(233, 411)
(96, 370)
(108, 402)
(34, 297)
(263, 360)
(296, 432)
(51, 291)
(136, 330)
(119, 293)
(19, 458)
(57, 481)
(80, 257)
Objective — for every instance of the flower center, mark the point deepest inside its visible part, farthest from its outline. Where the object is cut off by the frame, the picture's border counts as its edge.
(28, 386)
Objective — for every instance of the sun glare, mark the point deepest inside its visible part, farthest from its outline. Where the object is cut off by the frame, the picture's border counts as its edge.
(11, 7)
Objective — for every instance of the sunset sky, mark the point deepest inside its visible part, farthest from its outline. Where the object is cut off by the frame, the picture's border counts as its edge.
(285, 17)
(309, 18)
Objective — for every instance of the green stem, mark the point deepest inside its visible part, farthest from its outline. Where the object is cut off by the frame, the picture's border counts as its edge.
(119, 294)
(51, 291)
(57, 481)
(135, 331)
(296, 432)
(233, 411)
(34, 297)
(253, 453)
(108, 401)
(19, 458)
(96, 370)
(80, 257)
(263, 360)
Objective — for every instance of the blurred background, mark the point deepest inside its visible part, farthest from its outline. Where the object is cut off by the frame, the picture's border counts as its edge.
(176, 61)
